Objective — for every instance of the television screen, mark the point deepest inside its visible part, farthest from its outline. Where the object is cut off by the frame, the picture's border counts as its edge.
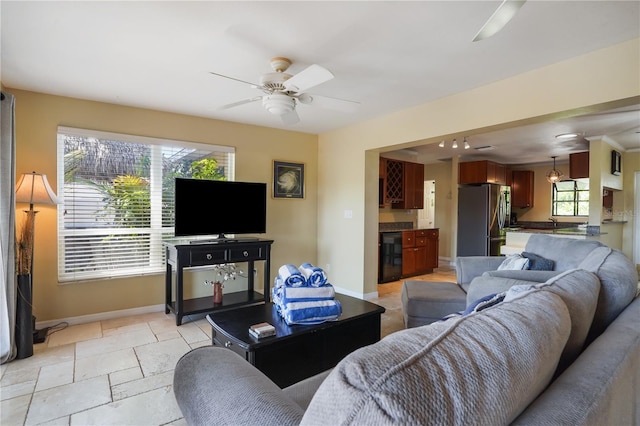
(213, 207)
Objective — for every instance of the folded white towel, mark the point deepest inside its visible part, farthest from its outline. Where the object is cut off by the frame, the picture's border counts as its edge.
(291, 276)
(314, 275)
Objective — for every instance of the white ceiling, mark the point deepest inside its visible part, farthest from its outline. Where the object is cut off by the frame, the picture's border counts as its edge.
(385, 55)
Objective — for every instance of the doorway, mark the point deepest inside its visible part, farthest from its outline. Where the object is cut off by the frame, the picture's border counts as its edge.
(427, 215)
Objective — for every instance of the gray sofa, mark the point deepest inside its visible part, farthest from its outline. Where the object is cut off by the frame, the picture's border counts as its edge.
(517, 358)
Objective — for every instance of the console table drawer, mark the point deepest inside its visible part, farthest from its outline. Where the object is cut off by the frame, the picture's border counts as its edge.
(207, 257)
(242, 254)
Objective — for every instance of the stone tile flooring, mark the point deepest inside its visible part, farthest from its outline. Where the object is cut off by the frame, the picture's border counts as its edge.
(120, 371)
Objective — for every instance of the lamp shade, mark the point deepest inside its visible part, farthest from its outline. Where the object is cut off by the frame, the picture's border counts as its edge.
(33, 188)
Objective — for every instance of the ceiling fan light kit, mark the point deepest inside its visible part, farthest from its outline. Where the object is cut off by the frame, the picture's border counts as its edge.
(278, 103)
(554, 175)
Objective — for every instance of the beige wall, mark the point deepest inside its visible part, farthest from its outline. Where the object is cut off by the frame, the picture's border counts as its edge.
(290, 223)
(342, 169)
(346, 165)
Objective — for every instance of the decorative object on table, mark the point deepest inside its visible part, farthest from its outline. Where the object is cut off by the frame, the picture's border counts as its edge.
(224, 272)
(32, 188)
(264, 329)
(305, 300)
(288, 180)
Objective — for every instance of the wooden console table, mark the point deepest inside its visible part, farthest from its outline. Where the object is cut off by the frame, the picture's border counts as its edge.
(185, 253)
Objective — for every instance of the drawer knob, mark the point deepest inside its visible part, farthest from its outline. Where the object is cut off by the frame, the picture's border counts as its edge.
(227, 344)
(245, 253)
(209, 257)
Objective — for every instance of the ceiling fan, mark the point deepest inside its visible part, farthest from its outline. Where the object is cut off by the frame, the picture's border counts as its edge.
(500, 18)
(283, 91)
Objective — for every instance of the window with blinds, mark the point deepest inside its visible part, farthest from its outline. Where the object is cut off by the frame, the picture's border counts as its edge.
(116, 193)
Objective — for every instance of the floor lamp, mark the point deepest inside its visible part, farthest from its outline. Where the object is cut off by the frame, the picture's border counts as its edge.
(32, 188)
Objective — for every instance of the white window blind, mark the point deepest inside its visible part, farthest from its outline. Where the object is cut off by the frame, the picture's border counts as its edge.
(117, 194)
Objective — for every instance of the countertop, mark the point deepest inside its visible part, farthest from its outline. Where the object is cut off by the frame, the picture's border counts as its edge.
(559, 231)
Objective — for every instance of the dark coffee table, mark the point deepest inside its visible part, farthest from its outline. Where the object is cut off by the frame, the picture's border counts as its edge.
(298, 351)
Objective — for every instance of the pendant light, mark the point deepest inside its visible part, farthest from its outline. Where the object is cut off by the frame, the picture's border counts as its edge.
(554, 175)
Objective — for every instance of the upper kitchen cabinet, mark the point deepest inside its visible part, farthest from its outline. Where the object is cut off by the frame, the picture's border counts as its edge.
(413, 187)
(522, 188)
(579, 165)
(392, 182)
(473, 172)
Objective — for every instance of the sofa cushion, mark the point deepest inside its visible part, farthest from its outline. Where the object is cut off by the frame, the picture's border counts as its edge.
(579, 290)
(514, 262)
(487, 365)
(538, 263)
(567, 253)
(618, 280)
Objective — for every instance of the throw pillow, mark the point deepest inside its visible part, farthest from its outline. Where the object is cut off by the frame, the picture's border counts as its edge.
(538, 263)
(514, 262)
(483, 367)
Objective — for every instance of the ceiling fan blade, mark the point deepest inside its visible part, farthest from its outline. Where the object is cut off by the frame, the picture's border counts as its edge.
(290, 117)
(307, 78)
(253, 85)
(245, 101)
(330, 103)
(499, 19)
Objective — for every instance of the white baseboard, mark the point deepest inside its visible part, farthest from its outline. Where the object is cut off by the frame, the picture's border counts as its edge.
(102, 316)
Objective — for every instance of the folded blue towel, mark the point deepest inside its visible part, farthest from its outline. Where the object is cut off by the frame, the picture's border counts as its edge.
(313, 312)
(291, 276)
(314, 275)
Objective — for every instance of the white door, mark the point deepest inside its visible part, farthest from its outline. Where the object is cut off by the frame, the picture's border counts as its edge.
(427, 215)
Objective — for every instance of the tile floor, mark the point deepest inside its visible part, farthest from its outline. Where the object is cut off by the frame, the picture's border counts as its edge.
(120, 371)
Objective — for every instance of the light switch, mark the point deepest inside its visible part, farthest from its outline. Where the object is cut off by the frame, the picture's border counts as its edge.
(348, 214)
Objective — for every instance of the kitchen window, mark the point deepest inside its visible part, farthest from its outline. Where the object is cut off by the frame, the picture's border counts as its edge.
(117, 192)
(570, 198)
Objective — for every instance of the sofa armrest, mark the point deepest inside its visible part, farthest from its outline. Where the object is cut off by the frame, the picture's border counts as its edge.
(469, 267)
(210, 382)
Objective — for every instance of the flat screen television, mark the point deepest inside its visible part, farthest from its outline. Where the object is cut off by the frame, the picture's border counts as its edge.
(215, 207)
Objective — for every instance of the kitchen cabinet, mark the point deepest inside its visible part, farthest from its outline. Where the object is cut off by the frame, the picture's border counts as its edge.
(419, 251)
(433, 239)
(393, 181)
(579, 165)
(413, 187)
(484, 171)
(522, 188)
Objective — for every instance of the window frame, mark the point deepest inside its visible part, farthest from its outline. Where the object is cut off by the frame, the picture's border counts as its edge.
(157, 231)
(576, 200)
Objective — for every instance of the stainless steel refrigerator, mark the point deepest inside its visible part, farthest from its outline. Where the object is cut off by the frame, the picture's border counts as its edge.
(483, 213)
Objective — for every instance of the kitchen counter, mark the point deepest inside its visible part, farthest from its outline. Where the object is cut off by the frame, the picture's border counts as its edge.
(517, 237)
(559, 231)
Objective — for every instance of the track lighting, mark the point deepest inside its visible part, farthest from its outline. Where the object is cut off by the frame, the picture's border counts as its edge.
(454, 144)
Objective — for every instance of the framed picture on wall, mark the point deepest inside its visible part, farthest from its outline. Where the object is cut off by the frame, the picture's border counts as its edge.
(288, 180)
(616, 163)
